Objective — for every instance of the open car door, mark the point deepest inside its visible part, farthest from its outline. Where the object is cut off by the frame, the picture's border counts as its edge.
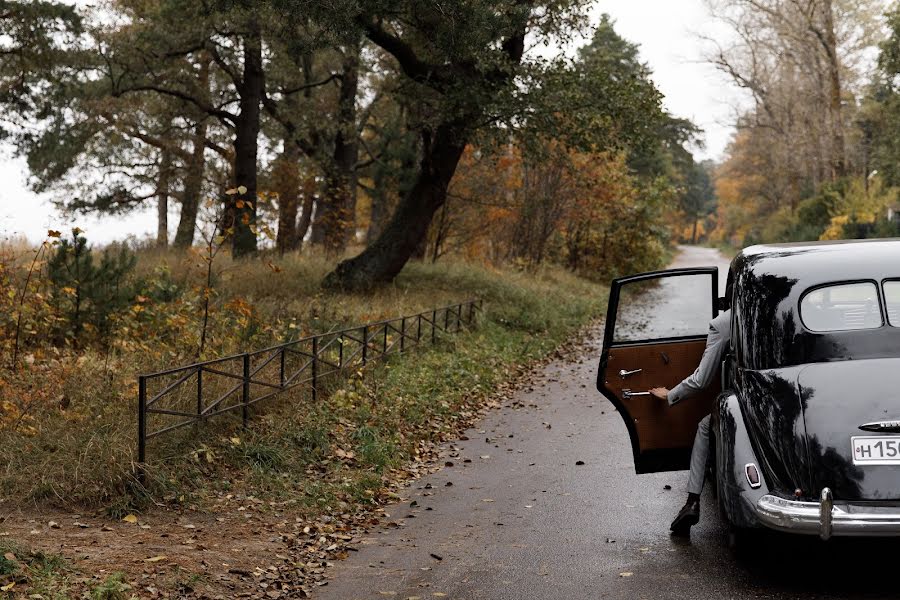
(656, 326)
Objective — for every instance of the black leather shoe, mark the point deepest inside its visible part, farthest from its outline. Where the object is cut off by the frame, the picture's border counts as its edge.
(687, 517)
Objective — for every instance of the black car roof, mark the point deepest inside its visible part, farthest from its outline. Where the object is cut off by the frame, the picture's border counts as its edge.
(815, 263)
(769, 282)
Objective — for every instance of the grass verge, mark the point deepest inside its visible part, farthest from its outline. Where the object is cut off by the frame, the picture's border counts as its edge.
(78, 447)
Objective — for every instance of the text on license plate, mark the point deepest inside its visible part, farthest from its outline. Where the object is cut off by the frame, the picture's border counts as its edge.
(876, 450)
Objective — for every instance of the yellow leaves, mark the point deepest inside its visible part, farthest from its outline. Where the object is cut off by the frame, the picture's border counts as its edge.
(835, 230)
(154, 559)
(8, 587)
(52, 233)
(203, 453)
(240, 307)
(130, 519)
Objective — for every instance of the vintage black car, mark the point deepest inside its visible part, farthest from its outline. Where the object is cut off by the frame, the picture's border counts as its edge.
(806, 419)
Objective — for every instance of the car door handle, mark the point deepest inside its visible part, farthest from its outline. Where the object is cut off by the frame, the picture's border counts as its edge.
(623, 373)
(629, 394)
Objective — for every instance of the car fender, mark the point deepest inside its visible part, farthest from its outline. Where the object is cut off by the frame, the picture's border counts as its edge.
(733, 452)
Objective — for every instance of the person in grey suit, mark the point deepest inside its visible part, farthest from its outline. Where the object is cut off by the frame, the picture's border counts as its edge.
(716, 344)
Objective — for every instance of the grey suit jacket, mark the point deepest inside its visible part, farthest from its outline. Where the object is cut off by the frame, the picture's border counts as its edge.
(716, 342)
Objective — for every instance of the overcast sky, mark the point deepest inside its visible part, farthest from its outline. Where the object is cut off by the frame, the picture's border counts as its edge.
(665, 30)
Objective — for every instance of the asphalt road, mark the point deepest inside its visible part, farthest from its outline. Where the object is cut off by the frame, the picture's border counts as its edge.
(524, 520)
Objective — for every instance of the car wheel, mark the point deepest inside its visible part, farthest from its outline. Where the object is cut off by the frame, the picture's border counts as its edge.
(738, 539)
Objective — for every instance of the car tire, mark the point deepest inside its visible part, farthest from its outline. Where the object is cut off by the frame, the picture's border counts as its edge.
(738, 539)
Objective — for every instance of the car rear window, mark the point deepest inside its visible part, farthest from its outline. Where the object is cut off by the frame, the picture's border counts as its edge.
(892, 301)
(842, 307)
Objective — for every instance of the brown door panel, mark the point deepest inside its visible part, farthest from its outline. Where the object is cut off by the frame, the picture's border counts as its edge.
(665, 364)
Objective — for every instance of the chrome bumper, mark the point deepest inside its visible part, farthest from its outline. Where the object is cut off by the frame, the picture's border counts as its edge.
(827, 518)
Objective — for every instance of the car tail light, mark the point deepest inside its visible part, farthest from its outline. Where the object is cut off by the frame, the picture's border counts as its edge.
(752, 475)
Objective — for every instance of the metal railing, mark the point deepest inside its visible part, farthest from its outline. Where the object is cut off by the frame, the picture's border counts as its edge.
(192, 394)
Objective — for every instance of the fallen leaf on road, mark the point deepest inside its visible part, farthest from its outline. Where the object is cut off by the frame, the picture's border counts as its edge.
(388, 593)
(579, 462)
(439, 595)
(156, 558)
(626, 574)
(7, 587)
(436, 556)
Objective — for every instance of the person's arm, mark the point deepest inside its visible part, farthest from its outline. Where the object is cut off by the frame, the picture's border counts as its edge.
(703, 376)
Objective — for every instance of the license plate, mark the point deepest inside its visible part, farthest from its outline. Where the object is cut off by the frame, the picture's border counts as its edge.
(876, 450)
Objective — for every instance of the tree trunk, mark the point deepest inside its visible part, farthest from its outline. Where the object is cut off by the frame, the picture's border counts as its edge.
(838, 159)
(386, 256)
(305, 216)
(337, 219)
(287, 185)
(193, 188)
(240, 208)
(162, 200)
(196, 169)
(378, 200)
(694, 232)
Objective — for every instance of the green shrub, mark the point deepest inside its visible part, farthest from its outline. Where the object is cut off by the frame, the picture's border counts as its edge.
(88, 295)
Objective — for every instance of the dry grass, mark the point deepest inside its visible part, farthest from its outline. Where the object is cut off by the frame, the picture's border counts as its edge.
(74, 442)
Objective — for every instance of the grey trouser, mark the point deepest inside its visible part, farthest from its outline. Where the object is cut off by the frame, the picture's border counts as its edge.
(699, 456)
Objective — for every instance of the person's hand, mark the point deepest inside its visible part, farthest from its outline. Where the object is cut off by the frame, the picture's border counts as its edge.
(660, 392)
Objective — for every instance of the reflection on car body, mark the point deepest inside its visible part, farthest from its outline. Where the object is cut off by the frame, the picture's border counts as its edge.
(806, 425)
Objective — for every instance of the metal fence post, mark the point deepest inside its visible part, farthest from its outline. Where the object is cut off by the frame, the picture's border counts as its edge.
(281, 371)
(199, 393)
(245, 392)
(433, 325)
(402, 334)
(384, 343)
(446, 320)
(315, 364)
(418, 328)
(458, 317)
(471, 313)
(142, 427)
(341, 352)
(365, 341)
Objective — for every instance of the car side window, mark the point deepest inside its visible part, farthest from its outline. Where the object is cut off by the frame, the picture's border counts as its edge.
(665, 308)
(842, 307)
(892, 302)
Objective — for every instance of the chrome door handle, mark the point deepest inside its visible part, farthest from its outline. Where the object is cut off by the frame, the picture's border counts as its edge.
(629, 394)
(623, 373)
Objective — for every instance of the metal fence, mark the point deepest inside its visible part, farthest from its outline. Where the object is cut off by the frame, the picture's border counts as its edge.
(176, 398)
